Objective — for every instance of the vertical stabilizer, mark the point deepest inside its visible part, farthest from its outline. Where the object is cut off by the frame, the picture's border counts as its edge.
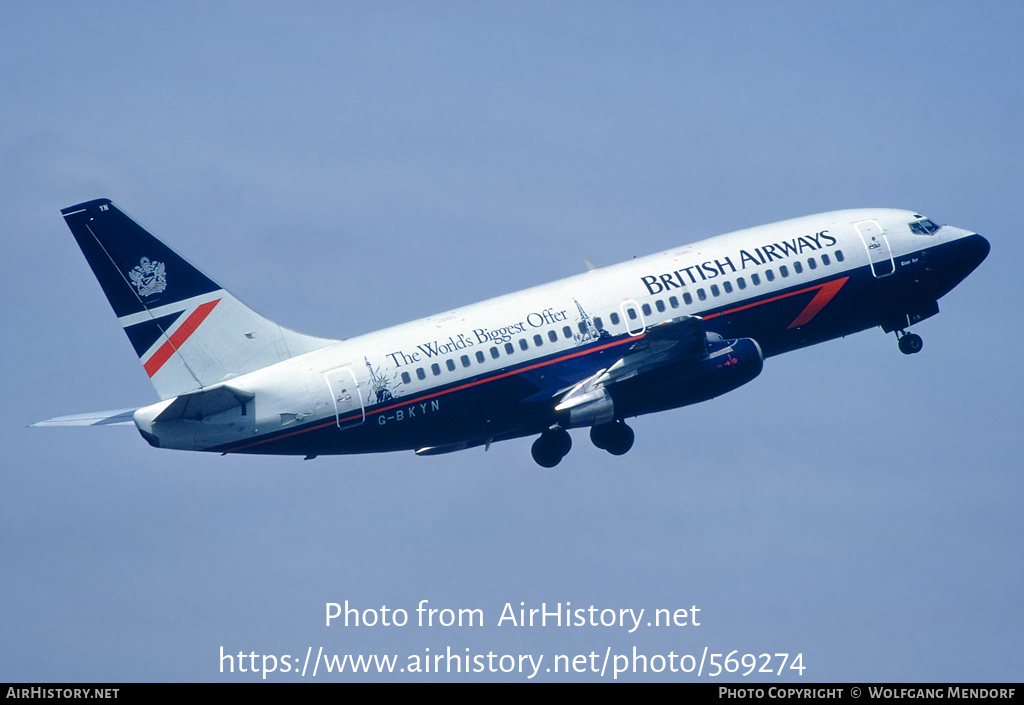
(189, 333)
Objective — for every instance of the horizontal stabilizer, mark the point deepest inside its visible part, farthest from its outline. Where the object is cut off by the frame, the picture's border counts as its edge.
(117, 417)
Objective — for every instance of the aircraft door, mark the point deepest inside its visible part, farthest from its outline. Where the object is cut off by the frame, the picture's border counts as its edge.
(346, 396)
(634, 317)
(877, 245)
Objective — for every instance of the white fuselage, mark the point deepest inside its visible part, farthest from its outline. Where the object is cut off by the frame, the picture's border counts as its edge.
(773, 283)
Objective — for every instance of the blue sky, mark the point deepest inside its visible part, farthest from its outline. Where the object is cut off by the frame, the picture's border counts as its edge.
(342, 167)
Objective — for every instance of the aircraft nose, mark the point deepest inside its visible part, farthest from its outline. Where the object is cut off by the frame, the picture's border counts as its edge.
(974, 249)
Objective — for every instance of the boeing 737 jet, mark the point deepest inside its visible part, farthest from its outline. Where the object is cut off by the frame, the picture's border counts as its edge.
(591, 351)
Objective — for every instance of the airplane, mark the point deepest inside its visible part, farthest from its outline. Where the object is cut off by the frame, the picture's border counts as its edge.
(591, 351)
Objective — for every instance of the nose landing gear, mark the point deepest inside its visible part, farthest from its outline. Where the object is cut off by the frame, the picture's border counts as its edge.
(909, 343)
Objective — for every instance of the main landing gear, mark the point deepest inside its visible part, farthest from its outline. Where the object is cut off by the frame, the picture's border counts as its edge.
(615, 437)
(909, 343)
(555, 443)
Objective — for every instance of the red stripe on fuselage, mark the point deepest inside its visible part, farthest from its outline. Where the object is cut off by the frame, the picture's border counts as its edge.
(826, 291)
(178, 338)
(820, 300)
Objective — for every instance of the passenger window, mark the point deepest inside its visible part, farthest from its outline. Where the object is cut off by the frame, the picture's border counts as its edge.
(436, 369)
(631, 312)
(839, 256)
(450, 364)
(755, 279)
(701, 295)
(660, 305)
(567, 331)
(494, 353)
(479, 355)
(797, 267)
(598, 323)
(825, 260)
(614, 317)
(714, 289)
(406, 378)
(552, 336)
(784, 271)
(741, 283)
(420, 374)
(673, 302)
(509, 348)
(537, 340)
(727, 286)
(646, 309)
(465, 360)
(769, 275)
(687, 299)
(812, 263)
(523, 345)
(583, 328)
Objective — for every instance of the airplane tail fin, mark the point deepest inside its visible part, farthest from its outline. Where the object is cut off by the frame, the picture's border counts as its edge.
(189, 332)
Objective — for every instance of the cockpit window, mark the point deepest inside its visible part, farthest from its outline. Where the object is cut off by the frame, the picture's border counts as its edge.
(923, 227)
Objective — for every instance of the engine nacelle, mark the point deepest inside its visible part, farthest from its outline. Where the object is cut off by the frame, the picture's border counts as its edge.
(729, 364)
(593, 408)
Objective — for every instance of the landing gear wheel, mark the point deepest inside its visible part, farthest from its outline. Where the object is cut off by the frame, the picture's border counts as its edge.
(615, 437)
(551, 447)
(910, 343)
(622, 441)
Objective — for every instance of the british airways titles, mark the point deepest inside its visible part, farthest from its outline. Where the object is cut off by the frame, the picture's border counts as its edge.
(762, 255)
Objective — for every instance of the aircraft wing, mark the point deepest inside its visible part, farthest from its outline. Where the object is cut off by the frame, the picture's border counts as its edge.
(676, 342)
(117, 417)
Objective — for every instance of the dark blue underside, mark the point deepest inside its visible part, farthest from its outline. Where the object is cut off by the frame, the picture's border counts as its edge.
(516, 401)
